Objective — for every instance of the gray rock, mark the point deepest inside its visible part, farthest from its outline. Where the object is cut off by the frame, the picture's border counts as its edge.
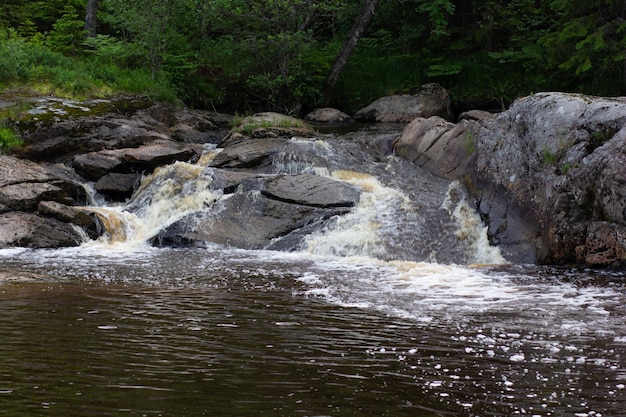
(474, 115)
(430, 100)
(117, 186)
(250, 153)
(145, 158)
(82, 217)
(23, 184)
(311, 190)
(549, 174)
(285, 209)
(327, 115)
(19, 229)
(95, 165)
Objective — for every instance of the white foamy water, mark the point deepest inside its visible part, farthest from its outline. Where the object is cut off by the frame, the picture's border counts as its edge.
(164, 197)
(360, 232)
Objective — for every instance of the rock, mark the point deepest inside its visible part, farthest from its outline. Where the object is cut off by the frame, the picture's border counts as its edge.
(267, 125)
(117, 186)
(188, 134)
(286, 209)
(91, 131)
(166, 152)
(23, 184)
(248, 153)
(62, 141)
(327, 115)
(146, 158)
(548, 174)
(80, 217)
(33, 231)
(440, 146)
(311, 190)
(95, 165)
(430, 100)
(474, 115)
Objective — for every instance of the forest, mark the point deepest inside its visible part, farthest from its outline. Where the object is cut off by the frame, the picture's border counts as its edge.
(242, 56)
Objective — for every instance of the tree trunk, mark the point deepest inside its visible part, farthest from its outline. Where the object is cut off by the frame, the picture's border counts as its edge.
(356, 31)
(90, 17)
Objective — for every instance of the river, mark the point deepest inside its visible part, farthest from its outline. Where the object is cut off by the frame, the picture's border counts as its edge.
(372, 317)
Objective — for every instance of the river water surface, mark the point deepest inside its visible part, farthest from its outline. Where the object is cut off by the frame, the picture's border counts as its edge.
(125, 329)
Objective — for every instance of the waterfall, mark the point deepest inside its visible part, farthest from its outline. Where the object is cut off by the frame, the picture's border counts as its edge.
(403, 214)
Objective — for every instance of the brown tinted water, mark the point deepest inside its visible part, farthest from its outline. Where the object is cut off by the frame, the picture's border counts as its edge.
(94, 332)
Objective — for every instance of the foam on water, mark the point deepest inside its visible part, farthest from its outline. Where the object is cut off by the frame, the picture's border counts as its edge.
(164, 197)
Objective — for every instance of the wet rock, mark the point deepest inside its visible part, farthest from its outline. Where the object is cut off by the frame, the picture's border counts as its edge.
(146, 158)
(78, 216)
(118, 186)
(605, 243)
(166, 152)
(23, 184)
(311, 190)
(95, 165)
(549, 171)
(19, 229)
(251, 153)
(266, 212)
(429, 100)
(327, 115)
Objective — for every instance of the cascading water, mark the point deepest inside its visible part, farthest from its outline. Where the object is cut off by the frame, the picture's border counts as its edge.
(397, 306)
(395, 218)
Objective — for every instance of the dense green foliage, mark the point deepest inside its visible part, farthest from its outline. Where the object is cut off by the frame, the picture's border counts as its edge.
(242, 55)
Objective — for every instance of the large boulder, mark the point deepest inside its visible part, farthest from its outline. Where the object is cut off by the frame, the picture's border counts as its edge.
(33, 231)
(23, 184)
(549, 174)
(265, 212)
(327, 115)
(36, 202)
(429, 100)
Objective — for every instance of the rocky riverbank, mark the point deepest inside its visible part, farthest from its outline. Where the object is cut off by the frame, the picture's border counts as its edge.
(548, 174)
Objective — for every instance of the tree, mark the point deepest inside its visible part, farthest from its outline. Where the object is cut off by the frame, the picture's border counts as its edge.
(356, 31)
(90, 17)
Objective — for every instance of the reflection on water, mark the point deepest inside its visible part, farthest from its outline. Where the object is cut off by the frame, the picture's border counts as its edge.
(235, 333)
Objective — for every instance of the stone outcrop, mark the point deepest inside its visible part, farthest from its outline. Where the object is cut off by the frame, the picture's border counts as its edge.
(60, 139)
(549, 174)
(429, 100)
(144, 159)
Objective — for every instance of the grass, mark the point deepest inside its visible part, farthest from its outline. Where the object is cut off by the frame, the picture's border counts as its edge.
(9, 139)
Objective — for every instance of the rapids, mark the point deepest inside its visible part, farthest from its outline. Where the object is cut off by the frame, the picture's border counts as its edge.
(398, 308)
